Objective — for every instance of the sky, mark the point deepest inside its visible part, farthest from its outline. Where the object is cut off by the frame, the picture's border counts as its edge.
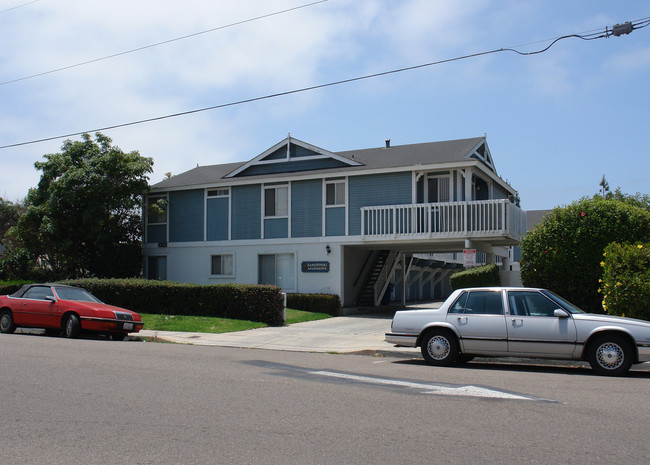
(556, 121)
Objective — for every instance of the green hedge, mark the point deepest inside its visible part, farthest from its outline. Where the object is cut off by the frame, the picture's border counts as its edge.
(317, 303)
(236, 301)
(625, 285)
(9, 287)
(480, 276)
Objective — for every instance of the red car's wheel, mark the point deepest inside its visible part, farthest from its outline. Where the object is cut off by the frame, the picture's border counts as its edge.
(7, 325)
(72, 326)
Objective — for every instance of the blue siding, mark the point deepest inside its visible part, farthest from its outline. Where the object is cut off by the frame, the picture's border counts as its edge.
(246, 212)
(373, 190)
(186, 216)
(306, 208)
(335, 221)
(217, 221)
(156, 233)
(276, 228)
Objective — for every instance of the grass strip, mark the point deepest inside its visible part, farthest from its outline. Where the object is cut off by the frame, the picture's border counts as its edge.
(205, 324)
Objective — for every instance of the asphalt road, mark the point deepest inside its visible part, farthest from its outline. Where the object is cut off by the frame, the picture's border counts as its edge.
(97, 401)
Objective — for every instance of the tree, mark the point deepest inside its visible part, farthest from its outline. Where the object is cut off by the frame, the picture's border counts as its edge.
(10, 213)
(84, 217)
(564, 251)
(604, 187)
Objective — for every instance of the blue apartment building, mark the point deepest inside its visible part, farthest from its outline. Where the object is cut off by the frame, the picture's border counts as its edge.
(368, 225)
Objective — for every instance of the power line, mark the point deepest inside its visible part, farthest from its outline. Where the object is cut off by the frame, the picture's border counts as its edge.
(164, 42)
(18, 6)
(639, 24)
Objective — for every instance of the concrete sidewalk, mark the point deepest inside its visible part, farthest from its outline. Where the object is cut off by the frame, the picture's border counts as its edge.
(362, 334)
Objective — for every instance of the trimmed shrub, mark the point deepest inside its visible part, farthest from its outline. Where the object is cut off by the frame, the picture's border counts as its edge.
(480, 276)
(563, 252)
(236, 301)
(626, 280)
(317, 303)
(9, 287)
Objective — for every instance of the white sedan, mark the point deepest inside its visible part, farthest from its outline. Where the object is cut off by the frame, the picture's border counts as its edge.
(521, 322)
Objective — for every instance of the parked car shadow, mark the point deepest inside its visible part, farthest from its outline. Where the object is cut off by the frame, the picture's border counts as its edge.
(536, 366)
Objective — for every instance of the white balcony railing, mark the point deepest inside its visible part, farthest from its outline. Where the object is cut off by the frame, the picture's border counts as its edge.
(486, 218)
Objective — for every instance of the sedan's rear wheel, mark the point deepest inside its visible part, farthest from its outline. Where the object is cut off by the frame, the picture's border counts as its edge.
(610, 355)
(72, 326)
(7, 325)
(439, 347)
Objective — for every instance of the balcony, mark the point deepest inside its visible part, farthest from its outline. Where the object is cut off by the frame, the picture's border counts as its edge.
(498, 220)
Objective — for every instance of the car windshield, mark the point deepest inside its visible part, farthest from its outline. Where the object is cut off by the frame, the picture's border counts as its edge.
(568, 306)
(72, 293)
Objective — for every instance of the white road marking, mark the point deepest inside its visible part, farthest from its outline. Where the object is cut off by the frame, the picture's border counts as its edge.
(467, 391)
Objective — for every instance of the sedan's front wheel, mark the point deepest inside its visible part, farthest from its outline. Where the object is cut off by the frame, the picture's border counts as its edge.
(7, 325)
(440, 347)
(610, 355)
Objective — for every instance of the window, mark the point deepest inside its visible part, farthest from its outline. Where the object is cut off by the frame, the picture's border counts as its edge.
(278, 270)
(276, 201)
(222, 265)
(479, 303)
(438, 189)
(531, 304)
(223, 192)
(39, 293)
(335, 193)
(157, 209)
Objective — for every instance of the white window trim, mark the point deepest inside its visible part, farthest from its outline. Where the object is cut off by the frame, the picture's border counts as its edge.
(164, 197)
(344, 205)
(275, 188)
(205, 208)
(234, 273)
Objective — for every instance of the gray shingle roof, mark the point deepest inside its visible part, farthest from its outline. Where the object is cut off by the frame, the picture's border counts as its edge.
(371, 159)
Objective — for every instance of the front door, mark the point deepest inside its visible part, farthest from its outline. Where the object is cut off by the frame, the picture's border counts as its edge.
(534, 329)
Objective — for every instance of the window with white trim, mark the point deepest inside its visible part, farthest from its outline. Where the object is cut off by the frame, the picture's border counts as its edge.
(157, 209)
(276, 201)
(221, 192)
(222, 265)
(335, 193)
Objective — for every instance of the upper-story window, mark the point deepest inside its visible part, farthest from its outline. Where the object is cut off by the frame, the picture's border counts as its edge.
(335, 193)
(276, 201)
(221, 192)
(157, 209)
(438, 188)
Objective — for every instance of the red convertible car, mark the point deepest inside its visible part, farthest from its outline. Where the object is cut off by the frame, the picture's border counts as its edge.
(71, 310)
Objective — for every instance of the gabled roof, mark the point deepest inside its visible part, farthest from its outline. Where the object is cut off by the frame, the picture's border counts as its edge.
(289, 155)
(292, 156)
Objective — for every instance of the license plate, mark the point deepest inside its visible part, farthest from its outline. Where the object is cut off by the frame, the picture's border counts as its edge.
(128, 326)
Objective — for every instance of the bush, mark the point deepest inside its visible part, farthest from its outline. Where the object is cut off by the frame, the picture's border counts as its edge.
(564, 251)
(626, 280)
(9, 287)
(329, 304)
(480, 276)
(236, 301)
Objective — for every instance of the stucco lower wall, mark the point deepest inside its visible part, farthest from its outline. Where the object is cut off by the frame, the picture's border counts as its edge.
(192, 263)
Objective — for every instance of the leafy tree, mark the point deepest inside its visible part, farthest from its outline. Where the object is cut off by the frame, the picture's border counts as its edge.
(84, 217)
(10, 213)
(564, 251)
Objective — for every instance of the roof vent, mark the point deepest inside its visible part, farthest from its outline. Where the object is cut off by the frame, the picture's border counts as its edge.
(387, 143)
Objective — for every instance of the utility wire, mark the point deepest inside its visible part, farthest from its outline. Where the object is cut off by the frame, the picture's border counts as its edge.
(18, 6)
(164, 42)
(597, 35)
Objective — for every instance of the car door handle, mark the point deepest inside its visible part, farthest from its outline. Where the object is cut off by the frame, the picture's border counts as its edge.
(462, 320)
(517, 322)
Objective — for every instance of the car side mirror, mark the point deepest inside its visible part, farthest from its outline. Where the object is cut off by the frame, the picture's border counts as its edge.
(50, 298)
(558, 312)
